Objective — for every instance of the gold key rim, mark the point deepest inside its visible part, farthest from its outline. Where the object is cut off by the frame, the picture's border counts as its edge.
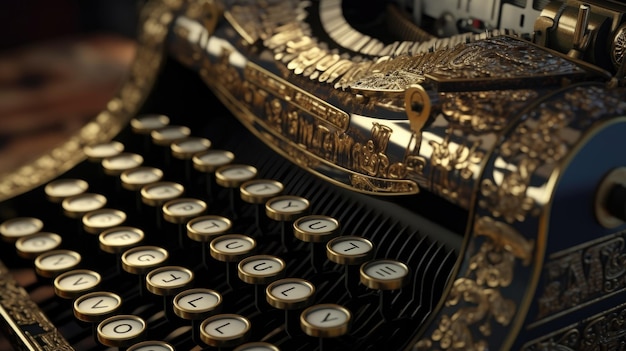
(228, 340)
(256, 345)
(73, 211)
(250, 196)
(145, 124)
(111, 168)
(205, 236)
(313, 236)
(110, 247)
(9, 234)
(195, 314)
(127, 339)
(148, 345)
(47, 272)
(151, 199)
(180, 152)
(52, 189)
(99, 151)
(231, 256)
(342, 258)
(91, 316)
(92, 226)
(280, 214)
(289, 304)
(171, 216)
(134, 268)
(167, 289)
(26, 251)
(63, 292)
(378, 283)
(130, 183)
(223, 179)
(159, 136)
(260, 278)
(200, 164)
(314, 330)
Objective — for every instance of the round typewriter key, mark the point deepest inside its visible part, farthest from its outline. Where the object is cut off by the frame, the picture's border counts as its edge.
(36, 244)
(96, 306)
(290, 293)
(384, 274)
(286, 207)
(118, 239)
(96, 221)
(60, 189)
(260, 269)
(121, 331)
(169, 134)
(152, 345)
(197, 304)
(325, 320)
(232, 247)
(315, 228)
(205, 228)
(16, 228)
(98, 152)
(168, 280)
(116, 165)
(185, 148)
(72, 284)
(225, 330)
(258, 191)
(181, 210)
(52, 263)
(147, 123)
(77, 206)
(141, 259)
(156, 194)
(232, 176)
(210, 160)
(257, 346)
(349, 250)
(134, 179)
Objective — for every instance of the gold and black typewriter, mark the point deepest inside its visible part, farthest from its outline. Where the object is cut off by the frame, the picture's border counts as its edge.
(337, 175)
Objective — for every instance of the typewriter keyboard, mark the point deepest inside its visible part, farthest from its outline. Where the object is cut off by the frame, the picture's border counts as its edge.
(199, 237)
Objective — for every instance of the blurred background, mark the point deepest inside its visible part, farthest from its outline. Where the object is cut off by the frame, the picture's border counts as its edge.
(60, 62)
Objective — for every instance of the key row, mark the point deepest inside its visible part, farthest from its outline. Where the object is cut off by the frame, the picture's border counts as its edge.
(221, 330)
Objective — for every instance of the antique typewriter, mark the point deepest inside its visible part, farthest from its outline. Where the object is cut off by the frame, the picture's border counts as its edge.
(336, 175)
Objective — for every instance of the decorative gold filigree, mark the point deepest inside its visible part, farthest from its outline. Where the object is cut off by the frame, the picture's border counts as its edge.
(490, 269)
(604, 331)
(590, 272)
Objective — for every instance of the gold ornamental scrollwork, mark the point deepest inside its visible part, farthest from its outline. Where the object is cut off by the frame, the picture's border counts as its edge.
(507, 235)
(603, 331)
(491, 268)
